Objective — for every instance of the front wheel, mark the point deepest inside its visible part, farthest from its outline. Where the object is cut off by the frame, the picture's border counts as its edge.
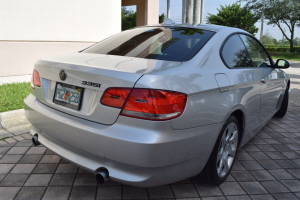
(223, 155)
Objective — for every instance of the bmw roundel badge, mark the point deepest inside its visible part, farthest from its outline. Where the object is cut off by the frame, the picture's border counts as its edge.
(62, 75)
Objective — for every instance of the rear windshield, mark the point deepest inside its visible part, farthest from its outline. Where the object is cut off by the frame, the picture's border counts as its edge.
(161, 43)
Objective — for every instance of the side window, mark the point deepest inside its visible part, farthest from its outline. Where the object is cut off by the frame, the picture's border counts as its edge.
(235, 54)
(257, 53)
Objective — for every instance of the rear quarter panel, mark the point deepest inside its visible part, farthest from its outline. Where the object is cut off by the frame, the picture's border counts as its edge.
(206, 104)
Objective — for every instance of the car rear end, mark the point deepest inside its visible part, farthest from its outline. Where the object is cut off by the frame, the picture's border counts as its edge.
(85, 107)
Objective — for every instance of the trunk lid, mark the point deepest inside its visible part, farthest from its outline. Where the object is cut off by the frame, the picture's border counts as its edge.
(103, 71)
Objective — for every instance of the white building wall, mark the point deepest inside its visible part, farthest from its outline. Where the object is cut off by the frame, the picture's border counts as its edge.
(30, 29)
(18, 58)
(59, 20)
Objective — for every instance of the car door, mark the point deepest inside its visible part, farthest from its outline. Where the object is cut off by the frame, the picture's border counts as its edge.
(245, 80)
(270, 81)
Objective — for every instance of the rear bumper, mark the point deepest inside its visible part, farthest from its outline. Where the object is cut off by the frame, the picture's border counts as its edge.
(135, 152)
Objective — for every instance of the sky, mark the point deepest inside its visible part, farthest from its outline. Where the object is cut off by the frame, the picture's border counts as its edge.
(210, 6)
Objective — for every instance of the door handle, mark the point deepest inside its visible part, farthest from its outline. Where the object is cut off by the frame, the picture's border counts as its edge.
(263, 80)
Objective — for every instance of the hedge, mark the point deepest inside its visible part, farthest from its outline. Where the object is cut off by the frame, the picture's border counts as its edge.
(275, 45)
(281, 48)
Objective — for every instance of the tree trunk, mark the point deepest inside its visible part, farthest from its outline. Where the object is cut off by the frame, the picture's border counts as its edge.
(292, 46)
(292, 39)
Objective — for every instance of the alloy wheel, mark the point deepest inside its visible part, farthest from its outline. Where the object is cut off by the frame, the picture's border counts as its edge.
(227, 149)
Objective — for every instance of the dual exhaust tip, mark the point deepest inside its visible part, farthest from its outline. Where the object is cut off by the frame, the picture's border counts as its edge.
(101, 174)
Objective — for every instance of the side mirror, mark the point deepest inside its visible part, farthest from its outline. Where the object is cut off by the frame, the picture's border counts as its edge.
(281, 63)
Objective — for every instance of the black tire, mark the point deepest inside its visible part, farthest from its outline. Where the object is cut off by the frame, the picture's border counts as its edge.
(213, 172)
(284, 105)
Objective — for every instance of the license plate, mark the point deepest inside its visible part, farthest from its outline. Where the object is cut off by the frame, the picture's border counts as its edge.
(68, 95)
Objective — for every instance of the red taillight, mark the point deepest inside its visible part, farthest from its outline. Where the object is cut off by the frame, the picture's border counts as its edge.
(35, 79)
(115, 97)
(146, 103)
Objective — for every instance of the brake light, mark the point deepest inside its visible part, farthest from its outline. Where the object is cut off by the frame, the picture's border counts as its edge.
(154, 104)
(146, 103)
(115, 97)
(35, 79)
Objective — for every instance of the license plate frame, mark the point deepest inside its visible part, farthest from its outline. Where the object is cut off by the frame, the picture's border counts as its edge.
(69, 100)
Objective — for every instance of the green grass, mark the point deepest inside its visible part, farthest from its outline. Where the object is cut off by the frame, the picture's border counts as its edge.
(285, 55)
(12, 96)
(4, 138)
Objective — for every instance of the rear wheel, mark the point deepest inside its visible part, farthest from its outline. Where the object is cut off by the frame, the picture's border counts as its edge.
(223, 155)
(284, 105)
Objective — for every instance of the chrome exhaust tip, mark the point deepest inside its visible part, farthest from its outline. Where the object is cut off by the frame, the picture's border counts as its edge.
(35, 140)
(102, 175)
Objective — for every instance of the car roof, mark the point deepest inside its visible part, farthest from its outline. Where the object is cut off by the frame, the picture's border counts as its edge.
(210, 27)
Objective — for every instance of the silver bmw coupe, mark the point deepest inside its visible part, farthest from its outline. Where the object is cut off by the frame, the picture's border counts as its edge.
(157, 104)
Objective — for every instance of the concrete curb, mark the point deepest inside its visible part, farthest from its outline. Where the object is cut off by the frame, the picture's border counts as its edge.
(15, 79)
(13, 126)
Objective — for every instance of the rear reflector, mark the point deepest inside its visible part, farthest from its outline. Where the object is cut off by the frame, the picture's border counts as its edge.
(115, 97)
(146, 103)
(35, 79)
